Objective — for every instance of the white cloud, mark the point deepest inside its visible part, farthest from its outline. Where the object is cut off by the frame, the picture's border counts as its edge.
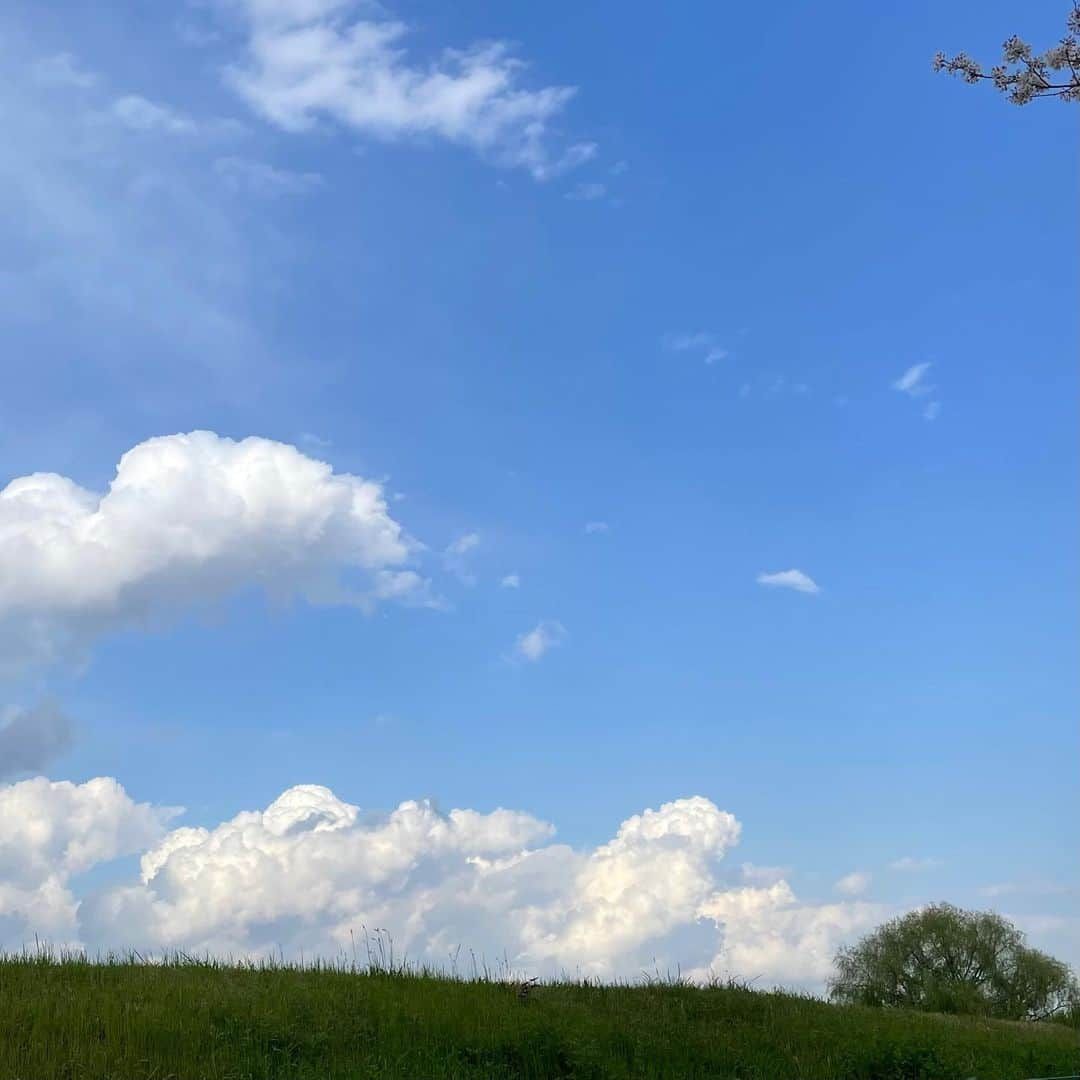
(789, 579)
(31, 738)
(1024, 888)
(259, 178)
(338, 59)
(141, 114)
(53, 831)
(189, 519)
(912, 381)
(911, 864)
(586, 191)
(62, 70)
(592, 528)
(511, 581)
(931, 410)
(310, 869)
(534, 644)
(455, 557)
(702, 342)
(853, 884)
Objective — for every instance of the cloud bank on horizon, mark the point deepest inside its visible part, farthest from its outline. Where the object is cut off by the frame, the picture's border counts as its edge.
(309, 872)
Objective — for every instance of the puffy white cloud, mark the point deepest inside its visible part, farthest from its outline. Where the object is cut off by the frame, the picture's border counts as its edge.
(31, 738)
(52, 831)
(789, 579)
(310, 871)
(189, 519)
(853, 884)
(339, 59)
(540, 640)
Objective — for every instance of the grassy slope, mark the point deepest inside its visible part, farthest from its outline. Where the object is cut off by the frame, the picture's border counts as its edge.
(194, 1021)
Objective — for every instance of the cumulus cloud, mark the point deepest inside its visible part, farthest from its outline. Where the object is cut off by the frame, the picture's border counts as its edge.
(189, 519)
(308, 60)
(310, 870)
(540, 640)
(853, 884)
(789, 579)
(51, 832)
(31, 738)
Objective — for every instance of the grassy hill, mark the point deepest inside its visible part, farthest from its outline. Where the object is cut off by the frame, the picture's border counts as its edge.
(187, 1020)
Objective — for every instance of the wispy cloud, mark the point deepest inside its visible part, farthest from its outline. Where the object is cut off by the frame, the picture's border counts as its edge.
(911, 864)
(455, 557)
(62, 70)
(1025, 888)
(913, 383)
(536, 643)
(592, 528)
(511, 581)
(260, 178)
(312, 60)
(702, 342)
(586, 191)
(141, 114)
(789, 579)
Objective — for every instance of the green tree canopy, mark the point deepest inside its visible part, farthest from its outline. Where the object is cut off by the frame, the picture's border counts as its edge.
(943, 959)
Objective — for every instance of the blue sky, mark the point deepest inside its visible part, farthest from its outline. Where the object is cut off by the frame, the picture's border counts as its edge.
(675, 305)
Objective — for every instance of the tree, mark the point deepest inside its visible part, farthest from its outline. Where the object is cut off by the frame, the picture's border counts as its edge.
(1022, 76)
(943, 959)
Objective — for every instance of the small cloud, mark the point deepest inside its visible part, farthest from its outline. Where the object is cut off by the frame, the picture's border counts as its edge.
(911, 382)
(853, 884)
(1024, 888)
(586, 191)
(315, 442)
(464, 543)
(702, 342)
(511, 581)
(789, 579)
(931, 411)
(140, 114)
(592, 528)
(62, 70)
(259, 178)
(763, 876)
(454, 557)
(619, 168)
(544, 637)
(910, 864)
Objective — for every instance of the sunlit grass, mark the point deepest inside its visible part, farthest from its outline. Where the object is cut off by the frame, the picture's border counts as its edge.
(127, 1018)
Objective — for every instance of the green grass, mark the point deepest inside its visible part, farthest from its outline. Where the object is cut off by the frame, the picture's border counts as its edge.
(125, 1020)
